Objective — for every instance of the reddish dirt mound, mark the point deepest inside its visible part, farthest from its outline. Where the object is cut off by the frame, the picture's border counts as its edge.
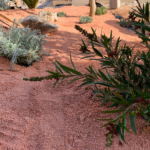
(35, 117)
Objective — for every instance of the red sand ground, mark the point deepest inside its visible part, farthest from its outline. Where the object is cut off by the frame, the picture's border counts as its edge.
(35, 117)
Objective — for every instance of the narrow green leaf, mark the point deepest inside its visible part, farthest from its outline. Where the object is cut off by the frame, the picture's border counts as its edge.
(103, 76)
(88, 82)
(115, 82)
(94, 32)
(104, 119)
(124, 121)
(88, 56)
(53, 73)
(105, 84)
(68, 70)
(117, 44)
(116, 101)
(121, 136)
(147, 11)
(72, 63)
(74, 79)
(132, 118)
(113, 111)
(144, 115)
(57, 67)
(84, 43)
(96, 51)
(133, 95)
(123, 100)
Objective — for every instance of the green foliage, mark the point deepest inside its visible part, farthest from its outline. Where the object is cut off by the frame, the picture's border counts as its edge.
(3, 5)
(124, 75)
(61, 14)
(21, 45)
(143, 25)
(142, 13)
(101, 10)
(125, 23)
(31, 3)
(85, 19)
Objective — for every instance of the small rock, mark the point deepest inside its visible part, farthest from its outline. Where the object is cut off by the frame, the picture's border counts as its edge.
(35, 22)
(70, 140)
(89, 114)
(82, 118)
(48, 16)
(51, 58)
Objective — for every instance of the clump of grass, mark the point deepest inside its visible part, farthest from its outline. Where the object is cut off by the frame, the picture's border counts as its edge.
(85, 19)
(61, 14)
(101, 10)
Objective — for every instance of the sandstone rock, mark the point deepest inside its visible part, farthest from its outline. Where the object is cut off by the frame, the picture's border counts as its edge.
(35, 22)
(48, 16)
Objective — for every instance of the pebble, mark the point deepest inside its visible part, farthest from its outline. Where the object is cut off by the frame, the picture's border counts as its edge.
(89, 114)
(82, 118)
(70, 140)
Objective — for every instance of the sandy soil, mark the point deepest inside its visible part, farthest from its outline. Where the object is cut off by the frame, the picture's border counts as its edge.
(35, 117)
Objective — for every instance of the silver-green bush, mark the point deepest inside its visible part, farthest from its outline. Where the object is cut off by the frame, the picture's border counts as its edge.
(21, 45)
(85, 19)
(3, 5)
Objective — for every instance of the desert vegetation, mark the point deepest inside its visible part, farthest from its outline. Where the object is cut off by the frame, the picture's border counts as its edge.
(3, 5)
(31, 3)
(124, 75)
(101, 10)
(85, 19)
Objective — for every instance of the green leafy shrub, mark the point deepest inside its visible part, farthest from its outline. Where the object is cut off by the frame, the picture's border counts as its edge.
(101, 10)
(21, 45)
(31, 3)
(85, 19)
(3, 5)
(124, 75)
(61, 14)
